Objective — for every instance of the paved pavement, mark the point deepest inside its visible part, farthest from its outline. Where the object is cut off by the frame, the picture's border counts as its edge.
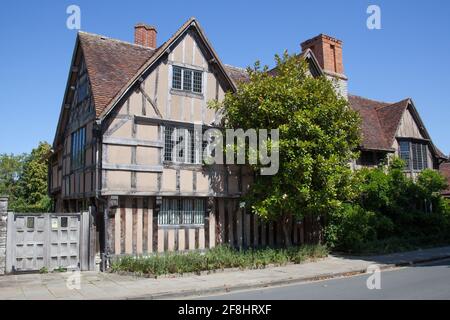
(93, 285)
(424, 281)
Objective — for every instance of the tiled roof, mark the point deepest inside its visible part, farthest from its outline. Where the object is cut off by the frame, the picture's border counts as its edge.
(236, 74)
(390, 116)
(374, 135)
(111, 64)
(445, 170)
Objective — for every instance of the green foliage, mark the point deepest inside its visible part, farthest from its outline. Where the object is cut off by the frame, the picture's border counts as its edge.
(60, 269)
(217, 258)
(24, 179)
(318, 136)
(350, 227)
(10, 170)
(43, 270)
(391, 207)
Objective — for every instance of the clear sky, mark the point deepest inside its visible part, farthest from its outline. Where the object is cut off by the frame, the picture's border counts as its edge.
(408, 57)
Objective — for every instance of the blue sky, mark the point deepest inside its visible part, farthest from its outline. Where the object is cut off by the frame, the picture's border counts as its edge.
(408, 57)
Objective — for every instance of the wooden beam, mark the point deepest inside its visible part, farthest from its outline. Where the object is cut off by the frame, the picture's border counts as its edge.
(150, 100)
(132, 142)
(176, 123)
(131, 167)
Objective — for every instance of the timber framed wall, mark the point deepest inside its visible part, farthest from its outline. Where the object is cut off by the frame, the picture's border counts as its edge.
(134, 229)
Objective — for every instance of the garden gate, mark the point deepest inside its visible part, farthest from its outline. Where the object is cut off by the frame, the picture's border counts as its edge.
(47, 241)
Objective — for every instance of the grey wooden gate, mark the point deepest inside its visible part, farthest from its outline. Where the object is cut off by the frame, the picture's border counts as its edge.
(47, 240)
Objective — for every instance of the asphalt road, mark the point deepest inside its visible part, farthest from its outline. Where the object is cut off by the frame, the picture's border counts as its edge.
(425, 281)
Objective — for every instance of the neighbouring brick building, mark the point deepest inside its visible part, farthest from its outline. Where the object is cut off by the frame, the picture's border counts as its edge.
(123, 103)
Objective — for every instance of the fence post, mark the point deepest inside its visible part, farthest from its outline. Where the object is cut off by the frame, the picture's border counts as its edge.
(84, 240)
(3, 232)
(10, 250)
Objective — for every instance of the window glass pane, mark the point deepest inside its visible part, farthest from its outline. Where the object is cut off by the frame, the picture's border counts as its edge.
(176, 78)
(181, 211)
(404, 152)
(168, 143)
(197, 82)
(187, 80)
(416, 156)
(425, 156)
(83, 146)
(180, 145)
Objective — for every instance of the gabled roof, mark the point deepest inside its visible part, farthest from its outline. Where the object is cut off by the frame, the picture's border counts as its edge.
(390, 116)
(165, 49)
(374, 135)
(380, 122)
(113, 66)
(110, 65)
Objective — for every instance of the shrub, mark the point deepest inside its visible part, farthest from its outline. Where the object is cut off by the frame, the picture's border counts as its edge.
(391, 207)
(350, 227)
(220, 257)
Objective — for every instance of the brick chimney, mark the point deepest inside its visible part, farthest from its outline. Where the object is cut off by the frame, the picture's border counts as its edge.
(145, 35)
(328, 52)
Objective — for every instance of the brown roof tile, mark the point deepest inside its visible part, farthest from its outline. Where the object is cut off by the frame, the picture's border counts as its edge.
(236, 74)
(390, 116)
(373, 133)
(111, 64)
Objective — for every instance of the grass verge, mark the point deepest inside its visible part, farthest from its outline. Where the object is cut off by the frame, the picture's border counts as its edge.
(218, 258)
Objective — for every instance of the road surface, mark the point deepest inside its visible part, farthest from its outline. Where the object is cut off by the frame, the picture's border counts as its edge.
(425, 281)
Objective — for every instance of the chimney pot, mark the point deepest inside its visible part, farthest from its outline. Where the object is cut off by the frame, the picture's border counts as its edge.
(145, 35)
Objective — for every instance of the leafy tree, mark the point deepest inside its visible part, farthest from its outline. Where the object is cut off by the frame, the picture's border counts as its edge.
(32, 184)
(24, 179)
(10, 171)
(318, 136)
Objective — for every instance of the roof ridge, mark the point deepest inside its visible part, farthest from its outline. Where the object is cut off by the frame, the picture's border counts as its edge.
(103, 37)
(394, 103)
(234, 67)
(369, 99)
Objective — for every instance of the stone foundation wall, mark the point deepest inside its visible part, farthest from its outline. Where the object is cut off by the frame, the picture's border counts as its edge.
(3, 224)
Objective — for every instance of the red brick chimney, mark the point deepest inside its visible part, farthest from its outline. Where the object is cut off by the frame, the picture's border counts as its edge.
(145, 35)
(328, 52)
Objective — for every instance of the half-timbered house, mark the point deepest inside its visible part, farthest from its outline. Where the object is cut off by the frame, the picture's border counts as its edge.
(112, 149)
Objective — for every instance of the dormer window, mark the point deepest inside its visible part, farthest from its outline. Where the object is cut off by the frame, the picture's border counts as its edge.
(188, 80)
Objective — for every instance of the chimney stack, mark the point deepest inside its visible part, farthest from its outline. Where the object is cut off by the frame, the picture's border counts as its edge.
(328, 52)
(145, 35)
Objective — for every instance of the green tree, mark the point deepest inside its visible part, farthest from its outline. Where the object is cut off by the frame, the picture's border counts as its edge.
(32, 192)
(10, 171)
(318, 136)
